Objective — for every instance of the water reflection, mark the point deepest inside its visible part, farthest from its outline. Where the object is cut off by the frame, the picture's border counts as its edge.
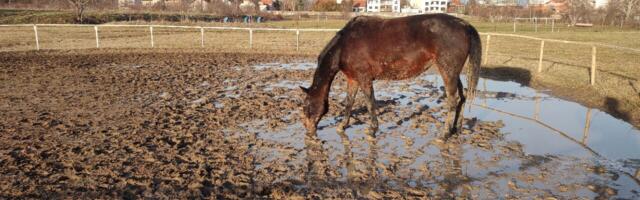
(453, 179)
(499, 154)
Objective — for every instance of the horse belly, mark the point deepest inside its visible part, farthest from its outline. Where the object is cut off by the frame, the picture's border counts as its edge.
(403, 70)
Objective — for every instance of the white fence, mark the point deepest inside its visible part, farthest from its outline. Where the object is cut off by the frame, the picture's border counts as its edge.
(250, 34)
(593, 46)
(536, 21)
(151, 27)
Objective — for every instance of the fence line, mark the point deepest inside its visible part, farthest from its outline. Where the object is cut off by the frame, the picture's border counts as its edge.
(543, 40)
(535, 22)
(298, 32)
(302, 30)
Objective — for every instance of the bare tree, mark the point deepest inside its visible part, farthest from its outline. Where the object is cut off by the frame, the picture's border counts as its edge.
(612, 12)
(160, 5)
(256, 6)
(79, 7)
(629, 6)
(289, 5)
(578, 10)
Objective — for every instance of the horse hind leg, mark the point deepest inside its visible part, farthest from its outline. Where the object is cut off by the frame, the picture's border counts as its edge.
(459, 119)
(367, 89)
(454, 107)
(352, 90)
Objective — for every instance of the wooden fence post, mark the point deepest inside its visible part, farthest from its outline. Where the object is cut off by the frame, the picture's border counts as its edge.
(514, 24)
(535, 24)
(541, 56)
(201, 37)
(553, 24)
(151, 32)
(486, 51)
(593, 65)
(35, 30)
(297, 40)
(97, 38)
(250, 38)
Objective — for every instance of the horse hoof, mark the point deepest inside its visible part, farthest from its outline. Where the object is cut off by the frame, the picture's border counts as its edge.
(371, 131)
(311, 133)
(340, 129)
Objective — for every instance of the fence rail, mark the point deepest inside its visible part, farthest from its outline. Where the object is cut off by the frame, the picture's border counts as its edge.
(535, 21)
(298, 32)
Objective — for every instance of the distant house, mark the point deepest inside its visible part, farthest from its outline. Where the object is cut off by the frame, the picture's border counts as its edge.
(428, 6)
(266, 5)
(557, 6)
(127, 3)
(507, 3)
(435, 6)
(359, 6)
(383, 6)
(600, 3)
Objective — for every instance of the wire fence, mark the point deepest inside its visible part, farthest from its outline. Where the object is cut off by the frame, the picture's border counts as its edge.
(542, 23)
(156, 34)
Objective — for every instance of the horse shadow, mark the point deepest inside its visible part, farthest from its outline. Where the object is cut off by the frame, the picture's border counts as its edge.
(507, 73)
(613, 107)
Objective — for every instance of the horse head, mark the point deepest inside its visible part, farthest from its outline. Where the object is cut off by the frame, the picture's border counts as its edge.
(312, 110)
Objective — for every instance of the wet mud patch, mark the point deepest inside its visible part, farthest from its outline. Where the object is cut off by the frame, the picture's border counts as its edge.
(492, 158)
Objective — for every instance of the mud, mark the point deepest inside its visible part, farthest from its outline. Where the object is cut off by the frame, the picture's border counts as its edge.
(170, 124)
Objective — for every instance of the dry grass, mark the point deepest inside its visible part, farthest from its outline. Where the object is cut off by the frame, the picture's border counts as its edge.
(565, 67)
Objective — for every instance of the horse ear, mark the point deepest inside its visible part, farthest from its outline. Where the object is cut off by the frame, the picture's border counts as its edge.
(305, 90)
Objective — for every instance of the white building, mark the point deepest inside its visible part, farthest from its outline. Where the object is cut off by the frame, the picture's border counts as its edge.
(601, 3)
(383, 5)
(427, 6)
(123, 3)
(434, 6)
(537, 2)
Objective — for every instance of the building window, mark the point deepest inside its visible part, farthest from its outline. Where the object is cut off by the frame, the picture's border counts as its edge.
(442, 9)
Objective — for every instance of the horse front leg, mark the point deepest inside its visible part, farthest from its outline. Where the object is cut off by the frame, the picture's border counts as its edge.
(367, 89)
(352, 90)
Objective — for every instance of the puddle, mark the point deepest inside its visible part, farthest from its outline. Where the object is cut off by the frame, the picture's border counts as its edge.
(286, 66)
(545, 146)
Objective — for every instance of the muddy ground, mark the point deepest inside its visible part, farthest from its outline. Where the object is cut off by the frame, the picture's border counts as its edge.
(171, 124)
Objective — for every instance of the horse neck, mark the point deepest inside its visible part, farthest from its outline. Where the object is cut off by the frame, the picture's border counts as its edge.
(322, 80)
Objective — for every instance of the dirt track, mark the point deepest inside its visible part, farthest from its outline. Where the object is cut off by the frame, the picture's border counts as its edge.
(170, 124)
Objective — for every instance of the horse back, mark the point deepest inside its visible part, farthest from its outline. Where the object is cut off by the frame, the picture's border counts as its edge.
(400, 48)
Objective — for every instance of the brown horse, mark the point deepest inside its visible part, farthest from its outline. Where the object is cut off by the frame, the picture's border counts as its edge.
(371, 48)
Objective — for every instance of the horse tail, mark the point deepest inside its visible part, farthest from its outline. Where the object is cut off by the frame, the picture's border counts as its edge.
(475, 57)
